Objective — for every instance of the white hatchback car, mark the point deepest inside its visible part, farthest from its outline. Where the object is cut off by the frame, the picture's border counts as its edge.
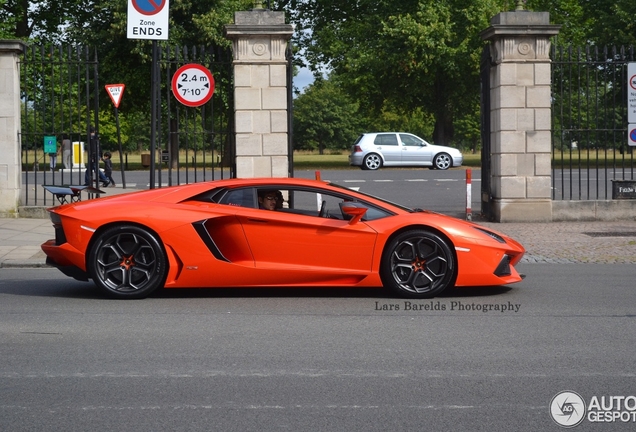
(374, 150)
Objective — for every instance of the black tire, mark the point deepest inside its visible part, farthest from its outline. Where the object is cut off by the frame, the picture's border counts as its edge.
(372, 161)
(418, 264)
(127, 262)
(442, 161)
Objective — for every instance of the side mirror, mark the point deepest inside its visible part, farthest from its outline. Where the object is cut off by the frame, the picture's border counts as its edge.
(356, 213)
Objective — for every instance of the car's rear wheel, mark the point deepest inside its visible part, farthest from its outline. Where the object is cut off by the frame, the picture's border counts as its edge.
(442, 161)
(372, 161)
(127, 261)
(418, 264)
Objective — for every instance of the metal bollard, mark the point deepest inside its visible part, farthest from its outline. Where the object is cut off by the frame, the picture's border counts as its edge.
(469, 177)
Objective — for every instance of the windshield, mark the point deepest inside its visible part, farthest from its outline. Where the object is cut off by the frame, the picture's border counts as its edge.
(410, 210)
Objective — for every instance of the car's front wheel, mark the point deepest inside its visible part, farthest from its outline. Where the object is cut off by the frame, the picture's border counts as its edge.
(442, 161)
(127, 262)
(372, 161)
(418, 264)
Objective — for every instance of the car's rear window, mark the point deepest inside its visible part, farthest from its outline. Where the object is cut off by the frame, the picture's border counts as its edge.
(386, 139)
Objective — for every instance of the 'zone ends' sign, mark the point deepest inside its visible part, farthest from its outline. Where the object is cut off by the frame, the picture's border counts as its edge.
(148, 19)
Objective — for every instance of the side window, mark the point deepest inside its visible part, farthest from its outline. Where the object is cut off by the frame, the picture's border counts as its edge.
(239, 197)
(312, 203)
(386, 140)
(410, 140)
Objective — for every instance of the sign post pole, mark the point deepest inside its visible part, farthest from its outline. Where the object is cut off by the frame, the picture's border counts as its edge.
(149, 20)
(116, 91)
(153, 113)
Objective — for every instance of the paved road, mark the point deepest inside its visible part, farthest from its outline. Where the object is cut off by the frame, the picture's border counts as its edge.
(308, 360)
(442, 191)
(424, 186)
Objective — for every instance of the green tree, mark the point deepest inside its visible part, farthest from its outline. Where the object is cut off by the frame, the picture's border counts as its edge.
(325, 118)
(597, 22)
(412, 54)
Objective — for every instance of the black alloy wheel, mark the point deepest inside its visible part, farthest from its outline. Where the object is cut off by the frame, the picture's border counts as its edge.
(418, 264)
(127, 262)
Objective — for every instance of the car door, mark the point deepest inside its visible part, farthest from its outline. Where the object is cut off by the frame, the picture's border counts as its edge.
(415, 151)
(307, 248)
(388, 145)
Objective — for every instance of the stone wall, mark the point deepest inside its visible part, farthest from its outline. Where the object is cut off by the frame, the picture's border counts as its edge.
(10, 156)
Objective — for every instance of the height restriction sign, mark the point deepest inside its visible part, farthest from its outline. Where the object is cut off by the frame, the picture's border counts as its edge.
(193, 85)
(148, 19)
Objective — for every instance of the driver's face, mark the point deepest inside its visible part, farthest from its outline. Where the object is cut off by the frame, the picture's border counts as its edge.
(268, 201)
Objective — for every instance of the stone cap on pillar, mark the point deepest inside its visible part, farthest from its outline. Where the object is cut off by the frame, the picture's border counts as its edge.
(12, 45)
(259, 22)
(520, 36)
(259, 36)
(520, 23)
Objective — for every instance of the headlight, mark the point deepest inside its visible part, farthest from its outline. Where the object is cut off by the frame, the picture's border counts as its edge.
(491, 234)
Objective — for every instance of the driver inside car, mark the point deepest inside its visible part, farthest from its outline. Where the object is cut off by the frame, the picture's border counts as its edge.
(270, 199)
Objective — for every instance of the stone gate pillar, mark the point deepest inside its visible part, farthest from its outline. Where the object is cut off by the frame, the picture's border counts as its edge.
(520, 116)
(10, 153)
(259, 40)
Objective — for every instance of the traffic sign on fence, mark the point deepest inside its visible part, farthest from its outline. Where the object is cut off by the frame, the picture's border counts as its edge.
(148, 19)
(193, 85)
(631, 93)
(631, 134)
(115, 91)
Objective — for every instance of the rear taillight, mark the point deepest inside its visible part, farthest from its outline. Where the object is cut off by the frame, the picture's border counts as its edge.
(357, 149)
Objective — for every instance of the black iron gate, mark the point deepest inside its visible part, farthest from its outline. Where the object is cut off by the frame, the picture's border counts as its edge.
(60, 93)
(589, 122)
(486, 195)
(195, 143)
(60, 96)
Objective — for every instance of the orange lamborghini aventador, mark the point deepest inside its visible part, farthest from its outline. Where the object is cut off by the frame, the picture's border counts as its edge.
(272, 232)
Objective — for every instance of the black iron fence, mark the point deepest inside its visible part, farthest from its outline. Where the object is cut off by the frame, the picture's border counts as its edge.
(589, 121)
(60, 96)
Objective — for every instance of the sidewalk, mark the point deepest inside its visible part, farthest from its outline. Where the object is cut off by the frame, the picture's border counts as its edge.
(556, 242)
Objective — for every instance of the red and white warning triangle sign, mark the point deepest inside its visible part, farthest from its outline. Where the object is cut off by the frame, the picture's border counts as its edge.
(115, 91)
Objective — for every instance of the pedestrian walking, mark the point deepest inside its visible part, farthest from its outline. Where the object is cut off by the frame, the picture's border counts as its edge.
(53, 160)
(95, 155)
(66, 152)
(108, 168)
